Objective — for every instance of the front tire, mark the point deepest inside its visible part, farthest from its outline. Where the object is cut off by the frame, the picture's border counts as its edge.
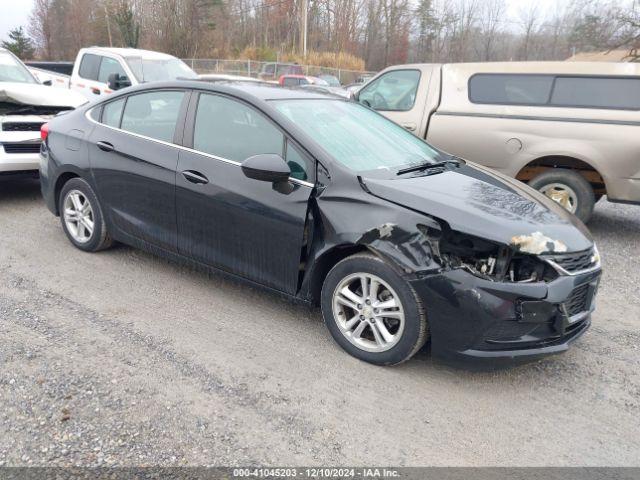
(81, 217)
(569, 189)
(372, 312)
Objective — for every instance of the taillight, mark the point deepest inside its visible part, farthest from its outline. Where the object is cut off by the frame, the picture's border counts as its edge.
(44, 131)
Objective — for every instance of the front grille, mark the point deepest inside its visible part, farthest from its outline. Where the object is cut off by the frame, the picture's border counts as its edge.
(578, 301)
(574, 262)
(24, 147)
(22, 126)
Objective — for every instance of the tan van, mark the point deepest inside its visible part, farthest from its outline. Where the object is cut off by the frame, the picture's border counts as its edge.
(569, 129)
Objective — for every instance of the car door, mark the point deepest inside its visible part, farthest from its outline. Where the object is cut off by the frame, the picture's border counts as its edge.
(133, 162)
(109, 66)
(251, 228)
(399, 95)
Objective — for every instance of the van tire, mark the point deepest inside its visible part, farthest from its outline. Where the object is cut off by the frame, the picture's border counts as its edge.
(585, 198)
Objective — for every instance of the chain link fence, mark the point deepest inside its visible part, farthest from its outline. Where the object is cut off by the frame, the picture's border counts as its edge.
(272, 70)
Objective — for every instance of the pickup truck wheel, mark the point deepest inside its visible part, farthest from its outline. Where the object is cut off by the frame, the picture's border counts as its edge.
(372, 312)
(569, 189)
(82, 218)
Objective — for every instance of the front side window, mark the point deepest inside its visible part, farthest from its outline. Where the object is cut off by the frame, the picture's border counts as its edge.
(153, 114)
(394, 91)
(302, 167)
(11, 70)
(510, 89)
(89, 66)
(596, 92)
(107, 67)
(233, 130)
(355, 136)
(112, 113)
(159, 70)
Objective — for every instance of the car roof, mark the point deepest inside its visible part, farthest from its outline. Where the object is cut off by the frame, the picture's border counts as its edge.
(260, 91)
(132, 52)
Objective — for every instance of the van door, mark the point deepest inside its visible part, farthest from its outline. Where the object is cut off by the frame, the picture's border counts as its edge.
(400, 95)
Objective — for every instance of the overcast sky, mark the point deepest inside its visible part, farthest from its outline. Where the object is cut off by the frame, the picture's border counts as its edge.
(14, 13)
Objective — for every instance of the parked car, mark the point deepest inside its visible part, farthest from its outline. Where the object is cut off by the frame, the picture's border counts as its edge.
(273, 71)
(297, 80)
(25, 104)
(569, 129)
(332, 80)
(101, 70)
(326, 201)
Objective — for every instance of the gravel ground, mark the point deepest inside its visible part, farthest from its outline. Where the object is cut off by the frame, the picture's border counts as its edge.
(122, 358)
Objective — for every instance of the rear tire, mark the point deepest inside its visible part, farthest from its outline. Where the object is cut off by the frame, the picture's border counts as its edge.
(569, 189)
(384, 325)
(81, 217)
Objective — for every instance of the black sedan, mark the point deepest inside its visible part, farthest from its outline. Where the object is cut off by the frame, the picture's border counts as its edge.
(326, 201)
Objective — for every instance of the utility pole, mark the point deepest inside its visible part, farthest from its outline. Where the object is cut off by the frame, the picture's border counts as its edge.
(106, 16)
(304, 26)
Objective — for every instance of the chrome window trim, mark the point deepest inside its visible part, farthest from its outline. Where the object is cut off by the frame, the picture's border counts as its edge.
(181, 147)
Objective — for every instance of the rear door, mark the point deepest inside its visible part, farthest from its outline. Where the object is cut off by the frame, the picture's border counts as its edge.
(133, 160)
(400, 95)
(251, 228)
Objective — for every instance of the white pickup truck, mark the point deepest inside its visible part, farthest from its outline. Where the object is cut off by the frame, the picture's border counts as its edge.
(26, 104)
(101, 70)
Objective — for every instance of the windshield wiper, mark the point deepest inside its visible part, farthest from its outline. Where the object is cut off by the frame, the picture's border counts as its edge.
(428, 166)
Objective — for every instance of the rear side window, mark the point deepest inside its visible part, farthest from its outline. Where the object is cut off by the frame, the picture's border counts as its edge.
(510, 89)
(112, 113)
(153, 114)
(292, 82)
(107, 67)
(233, 130)
(89, 66)
(613, 93)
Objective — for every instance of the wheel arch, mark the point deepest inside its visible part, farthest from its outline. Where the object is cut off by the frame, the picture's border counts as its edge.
(544, 163)
(62, 179)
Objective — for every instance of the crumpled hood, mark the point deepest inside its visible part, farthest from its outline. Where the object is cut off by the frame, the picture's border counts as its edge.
(480, 202)
(39, 95)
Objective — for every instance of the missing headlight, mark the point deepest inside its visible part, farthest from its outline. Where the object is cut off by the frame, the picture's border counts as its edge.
(491, 261)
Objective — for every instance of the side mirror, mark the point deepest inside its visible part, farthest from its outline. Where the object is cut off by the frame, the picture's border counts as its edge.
(48, 83)
(116, 82)
(266, 167)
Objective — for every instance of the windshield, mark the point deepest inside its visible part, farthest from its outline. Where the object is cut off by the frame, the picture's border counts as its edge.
(11, 70)
(158, 70)
(331, 80)
(356, 136)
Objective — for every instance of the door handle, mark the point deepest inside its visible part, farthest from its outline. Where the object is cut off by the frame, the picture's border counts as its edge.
(195, 177)
(409, 126)
(105, 146)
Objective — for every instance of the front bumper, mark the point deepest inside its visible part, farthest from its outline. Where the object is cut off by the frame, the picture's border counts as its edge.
(18, 162)
(481, 323)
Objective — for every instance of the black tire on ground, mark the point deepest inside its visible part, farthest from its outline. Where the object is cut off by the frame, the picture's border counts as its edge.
(576, 182)
(99, 239)
(415, 332)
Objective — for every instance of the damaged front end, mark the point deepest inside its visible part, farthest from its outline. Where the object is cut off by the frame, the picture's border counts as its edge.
(503, 302)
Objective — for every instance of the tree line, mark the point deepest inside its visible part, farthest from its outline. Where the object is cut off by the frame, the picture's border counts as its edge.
(379, 32)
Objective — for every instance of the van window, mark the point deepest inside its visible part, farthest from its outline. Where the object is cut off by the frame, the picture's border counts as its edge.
(597, 92)
(393, 91)
(508, 89)
(89, 66)
(153, 114)
(109, 66)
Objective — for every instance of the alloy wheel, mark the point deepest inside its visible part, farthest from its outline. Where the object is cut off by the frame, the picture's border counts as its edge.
(78, 216)
(368, 312)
